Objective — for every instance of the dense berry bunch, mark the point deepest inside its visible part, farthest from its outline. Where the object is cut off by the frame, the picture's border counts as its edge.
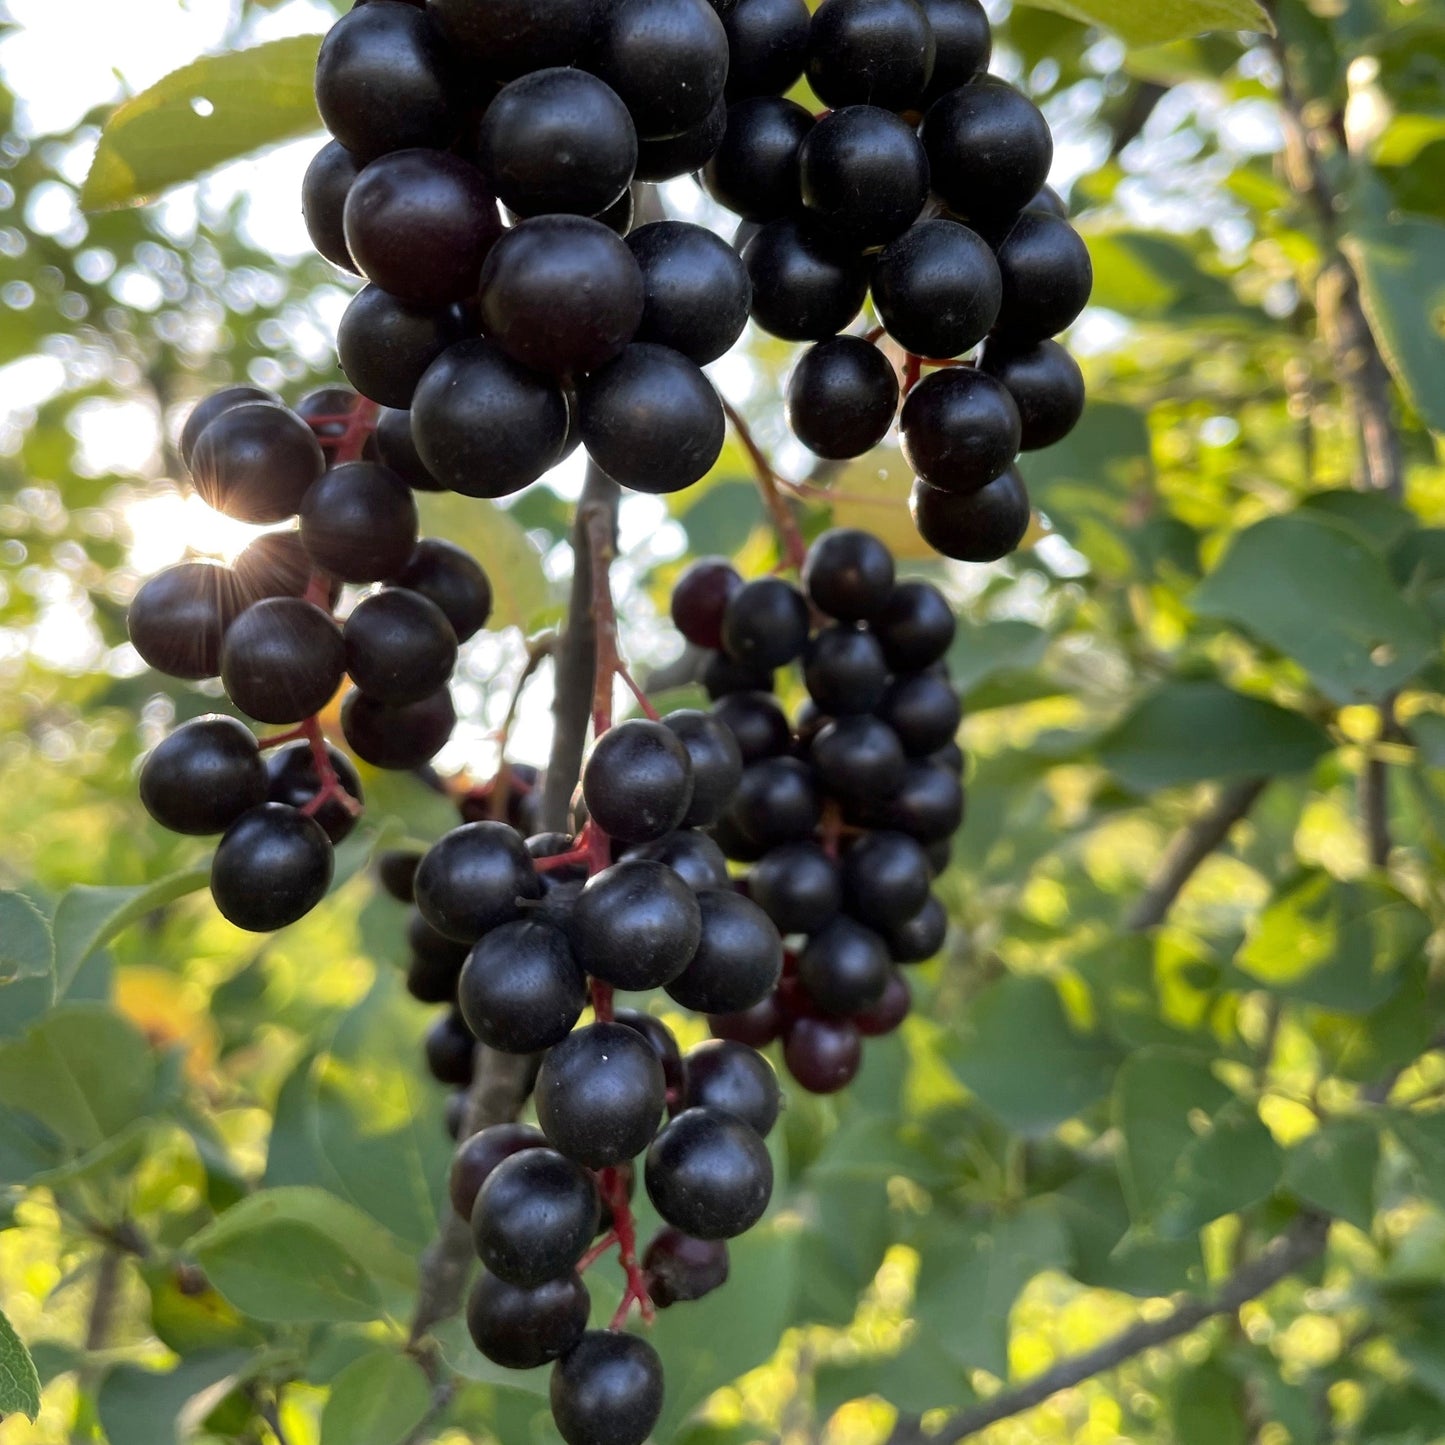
(267, 627)
(845, 813)
(520, 937)
(480, 181)
(924, 188)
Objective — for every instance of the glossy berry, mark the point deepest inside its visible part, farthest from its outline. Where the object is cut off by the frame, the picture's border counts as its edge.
(797, 886)
(283, 660)
(823, 1055)
(203, 777)
(864, 174)
(1046, 385)
(324, 189)
(696, 290)
(844, 670)
(385, 345)
(758, 723)
(701, 597)
(693, 856)
(636, 925)
(844, 967)
(534, 1217)
(917, 626)
(451, 578)
(667, 59)
(397, 737)
(990, 149)
(206, 411)
(870, 52)
(660, 1040)
(520, 1329)
(557, 140)
(651, 419)
(506, 38)
(859, 759)
(928, 805)
(849, 574)
(638, 782)
(777, 801)
(607, 1390)
(921, 937)
(381, 81)
(766, 623)
(600, 1095)
(435, 964)
(178, 620)
(1047, 278)
(937, 289)
(485, 425)
(709, 1174)
(328, 411)
(983, 527)
(276, 565)
(924, 710)
(805, 286)
(272, 867)
(736, 1080)
(963, 44)
(561, 294)
(255, 462)
(737, 963)
(717, 763)
(960, 430)
(754, 170)
(400, 647)
(757, 1026)
(451, 1051)
(767, 46)
(666, 157)
(680, 1268)
(396, 448)
(292, 779)
(892, 1007)
(521, 990)
(419, 224)
(885, 879)
(842, 397)
(359, 522)
(469, 882)
(477, 1156)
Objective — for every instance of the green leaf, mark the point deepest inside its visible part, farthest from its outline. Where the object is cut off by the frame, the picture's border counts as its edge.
(298, 1254)
(1152, 22)
(1334, 1169)
(82, 1071)
(25, 946)
(969, 1278)
(19, 1382)
(1234, 1163)
(1342, 946)
(216, 109)
(1423, 1136)
(1025, 1061)
(151, 1407)
(984, 650)
(377, 1400)
(520, 590)
(1156, 278)
(1319, 595)
(1208, 1405)
(921, 1377)
(1189, 732)
(707, 1345)
(1401, 267)
(86, 919)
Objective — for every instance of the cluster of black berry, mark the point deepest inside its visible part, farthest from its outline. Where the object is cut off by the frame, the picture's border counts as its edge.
(846, 817)
(267, 627)
(519, 936)
(497, 348)
(923, 186)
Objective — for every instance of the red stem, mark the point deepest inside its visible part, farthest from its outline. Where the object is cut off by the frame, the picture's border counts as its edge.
(360, 423)
(790, 539)
(597, 1251)
(331, 786)
(912, 370)
(279, 740)
(614, 1191)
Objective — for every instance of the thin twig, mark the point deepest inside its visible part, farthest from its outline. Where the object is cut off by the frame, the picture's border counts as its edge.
(1190, 848)
(790, 539)
(1299, 1245)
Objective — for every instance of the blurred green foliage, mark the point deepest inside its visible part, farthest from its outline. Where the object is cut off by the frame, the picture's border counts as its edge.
(232, 1145)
